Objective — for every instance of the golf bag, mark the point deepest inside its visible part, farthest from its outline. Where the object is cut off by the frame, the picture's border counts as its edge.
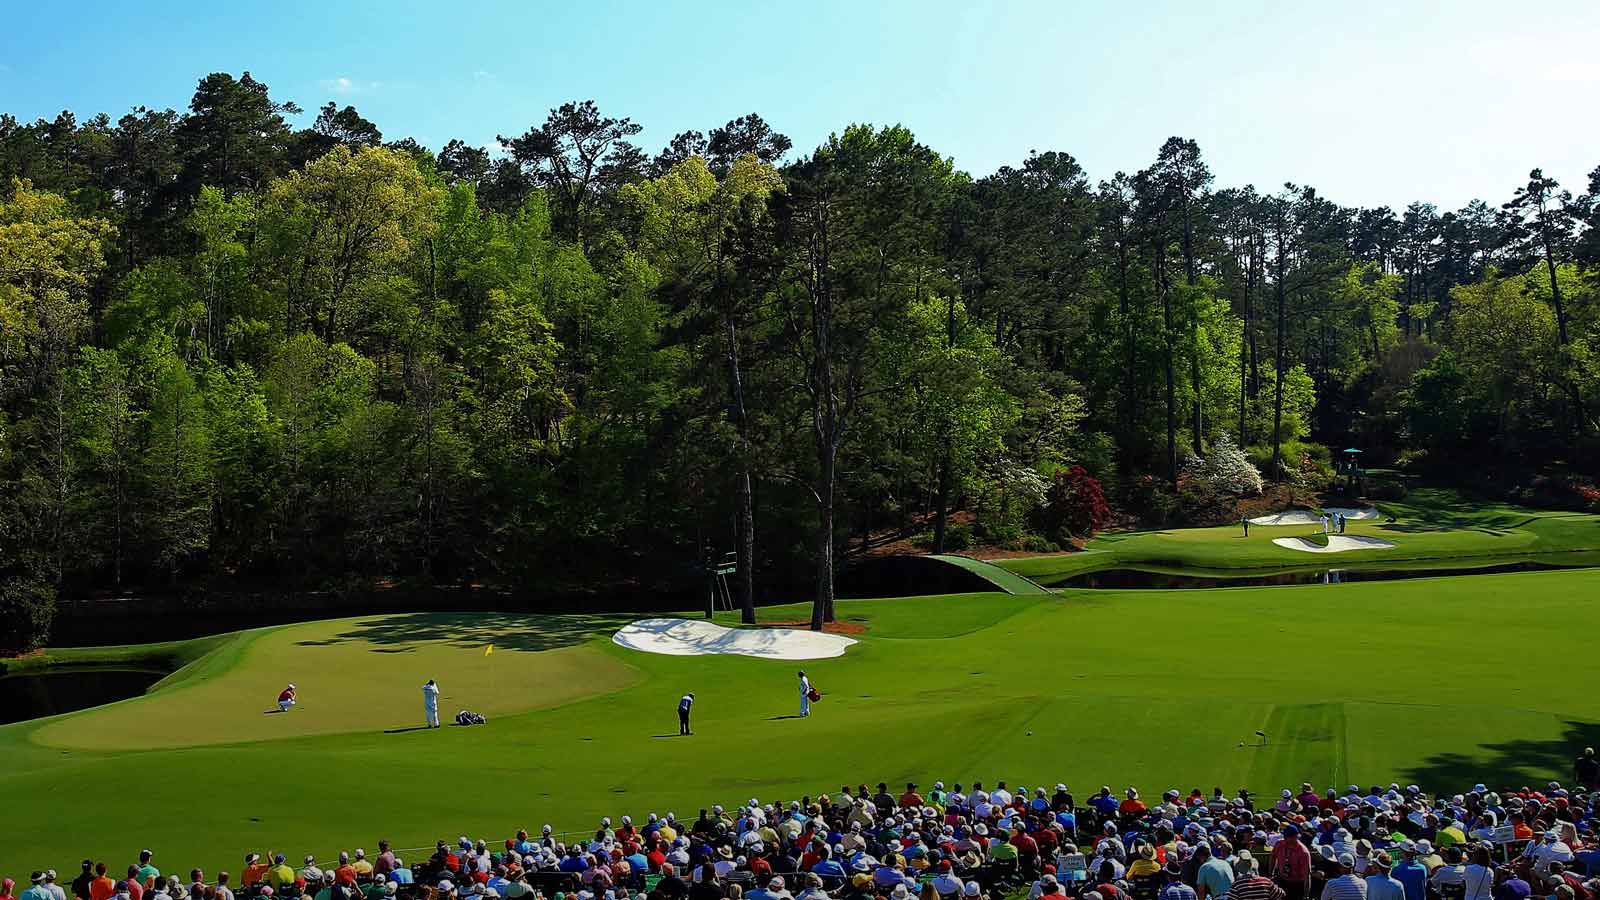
(466, 717)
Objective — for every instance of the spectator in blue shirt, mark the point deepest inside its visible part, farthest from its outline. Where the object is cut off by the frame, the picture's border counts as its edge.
(828, 867)
(573, 862)
(1412, 875)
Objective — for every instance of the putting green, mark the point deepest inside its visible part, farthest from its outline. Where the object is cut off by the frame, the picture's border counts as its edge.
(358, 674)
(1433, 527)
(1410, 681)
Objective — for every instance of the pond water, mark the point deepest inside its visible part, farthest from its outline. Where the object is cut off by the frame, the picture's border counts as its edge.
(1139, 578)
(31, 696)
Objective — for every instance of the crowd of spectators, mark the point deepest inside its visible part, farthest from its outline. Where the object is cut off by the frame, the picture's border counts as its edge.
(966, 842)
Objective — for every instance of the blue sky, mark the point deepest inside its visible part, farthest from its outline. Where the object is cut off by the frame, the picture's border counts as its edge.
(1373, 103)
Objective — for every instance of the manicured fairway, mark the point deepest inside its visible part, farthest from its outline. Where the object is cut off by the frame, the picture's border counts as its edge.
(1435, 681)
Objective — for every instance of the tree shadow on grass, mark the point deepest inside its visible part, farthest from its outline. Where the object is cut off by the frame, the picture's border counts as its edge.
(1510, 764)
(398, 633)
(1437, 528)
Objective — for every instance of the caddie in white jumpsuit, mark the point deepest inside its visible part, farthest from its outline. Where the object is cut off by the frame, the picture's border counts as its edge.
(805, 695)
(430, 703)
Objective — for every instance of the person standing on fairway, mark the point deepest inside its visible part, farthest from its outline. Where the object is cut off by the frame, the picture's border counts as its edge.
(1245, 521)
(805, 695)
(430, 703)
(685, 703)
(286, 698)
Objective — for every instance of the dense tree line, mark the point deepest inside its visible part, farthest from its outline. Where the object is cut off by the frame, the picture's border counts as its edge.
(230, 348)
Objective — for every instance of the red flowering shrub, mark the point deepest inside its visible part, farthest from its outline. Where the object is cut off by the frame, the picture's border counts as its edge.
(1075, 507)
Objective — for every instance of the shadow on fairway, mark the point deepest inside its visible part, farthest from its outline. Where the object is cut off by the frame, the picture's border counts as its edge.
(399, 633)
(781, 718)
(404, 730)
(1436, 528)
(1515, 763)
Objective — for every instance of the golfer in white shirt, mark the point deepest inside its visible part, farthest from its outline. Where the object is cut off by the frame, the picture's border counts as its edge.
(430, 703)
(805, 695)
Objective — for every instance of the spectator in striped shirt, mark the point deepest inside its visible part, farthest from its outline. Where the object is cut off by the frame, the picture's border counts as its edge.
(1249, 883)
(1175, 889)
(1347, 886)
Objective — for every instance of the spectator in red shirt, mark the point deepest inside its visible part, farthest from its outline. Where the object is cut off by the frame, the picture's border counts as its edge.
(1291, 865)
(1132, 806)
(1027, 849)
(911, 797)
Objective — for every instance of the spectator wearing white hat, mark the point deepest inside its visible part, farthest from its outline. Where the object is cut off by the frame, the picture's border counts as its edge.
(36, 890)
(774, 890)
(1347, 886)
(1381, 885)
(1412, 875)
(1548, 849)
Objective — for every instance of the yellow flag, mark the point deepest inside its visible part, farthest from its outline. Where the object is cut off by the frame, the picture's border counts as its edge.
(488, 649)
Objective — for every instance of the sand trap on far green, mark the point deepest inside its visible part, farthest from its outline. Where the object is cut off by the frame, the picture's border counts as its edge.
(360, 674)
(687, 637)
(1307, 517)
(1337, 543)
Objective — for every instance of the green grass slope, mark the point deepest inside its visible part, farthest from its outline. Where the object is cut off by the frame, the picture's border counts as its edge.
(1004, 579)
(1353, 683)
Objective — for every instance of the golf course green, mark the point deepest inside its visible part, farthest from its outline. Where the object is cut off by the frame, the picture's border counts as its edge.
(1432, 527)
(1435, 681)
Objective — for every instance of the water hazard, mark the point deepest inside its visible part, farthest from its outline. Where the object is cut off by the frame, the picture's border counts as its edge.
(1139, 578)
(33, 696)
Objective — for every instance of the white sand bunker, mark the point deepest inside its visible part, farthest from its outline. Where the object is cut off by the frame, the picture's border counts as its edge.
(1306, 517)
(1352, 513)
(1292, 517)
(1337, 543)
(687, 637)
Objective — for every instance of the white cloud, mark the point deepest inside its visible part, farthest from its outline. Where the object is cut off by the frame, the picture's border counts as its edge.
(482, 75)
(344, 84)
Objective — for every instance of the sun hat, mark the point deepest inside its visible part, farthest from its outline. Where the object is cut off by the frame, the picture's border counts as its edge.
(972, 889)
(1347, 860)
